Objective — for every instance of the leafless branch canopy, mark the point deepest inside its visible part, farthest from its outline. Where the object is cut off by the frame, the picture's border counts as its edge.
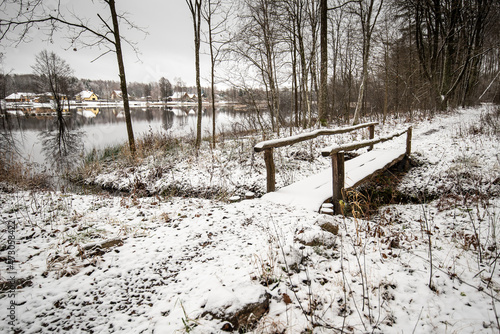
(25, 18)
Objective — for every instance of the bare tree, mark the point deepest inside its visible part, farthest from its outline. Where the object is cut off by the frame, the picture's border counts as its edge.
(368, 12)
(313, 16)
(165, 88)
(257, 43)
(449, 40)
(323, 74)
(3, 78)
(301, 20)
(214, 9)
(33, 14)
(292, 26)
(180, 85)
(323, 112)
(300, 9)
(54, 76)
(7, 141)
(61, 145)
(195, 7)
(345, 61)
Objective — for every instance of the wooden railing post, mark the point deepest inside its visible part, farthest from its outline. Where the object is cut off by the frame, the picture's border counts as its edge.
(270, 169)
(408, 142)
(338, 180)
(371, 130)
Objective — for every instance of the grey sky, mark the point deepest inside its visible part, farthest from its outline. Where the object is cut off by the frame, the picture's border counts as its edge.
(166, 52)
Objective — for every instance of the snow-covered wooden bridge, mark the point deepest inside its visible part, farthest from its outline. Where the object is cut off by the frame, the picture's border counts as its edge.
(313, 191)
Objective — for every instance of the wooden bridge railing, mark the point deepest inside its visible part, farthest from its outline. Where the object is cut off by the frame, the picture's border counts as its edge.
(338, 168)
(364, 143)
(268, 146)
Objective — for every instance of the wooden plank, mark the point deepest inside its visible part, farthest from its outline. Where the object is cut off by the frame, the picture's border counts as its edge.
(368, 165)
(307, 194)
(311, 192)
(274, 143)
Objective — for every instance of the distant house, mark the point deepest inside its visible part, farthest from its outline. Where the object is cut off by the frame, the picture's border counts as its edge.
(178, 96)
(116, 95)
(19, 97)
(182, 97)
(86, 95)
(47, 97)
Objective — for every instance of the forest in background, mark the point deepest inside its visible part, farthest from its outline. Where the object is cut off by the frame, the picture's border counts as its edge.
(382, 56)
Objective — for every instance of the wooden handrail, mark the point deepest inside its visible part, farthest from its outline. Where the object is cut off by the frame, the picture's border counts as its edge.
(338, 164)
(268, 146)
(364, 143)
(274, 143)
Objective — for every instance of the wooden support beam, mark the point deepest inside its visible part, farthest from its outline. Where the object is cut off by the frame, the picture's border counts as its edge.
(270, 170)
(338, 174)
(408, 142)
(371, 130)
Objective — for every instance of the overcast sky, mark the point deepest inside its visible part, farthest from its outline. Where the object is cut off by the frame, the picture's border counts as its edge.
(167, 51)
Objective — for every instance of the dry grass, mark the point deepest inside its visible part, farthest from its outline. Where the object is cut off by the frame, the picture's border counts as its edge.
(15, 174)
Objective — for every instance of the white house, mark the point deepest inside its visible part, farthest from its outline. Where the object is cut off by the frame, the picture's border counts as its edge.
(20, 97)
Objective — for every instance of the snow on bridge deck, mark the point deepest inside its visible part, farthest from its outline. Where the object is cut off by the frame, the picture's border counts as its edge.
(313, 191)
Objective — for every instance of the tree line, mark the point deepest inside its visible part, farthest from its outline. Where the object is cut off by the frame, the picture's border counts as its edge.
(312, 62)
(379, 55)
(32, 83)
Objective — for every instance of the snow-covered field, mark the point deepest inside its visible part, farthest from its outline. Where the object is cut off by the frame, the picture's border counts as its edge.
(162, 264)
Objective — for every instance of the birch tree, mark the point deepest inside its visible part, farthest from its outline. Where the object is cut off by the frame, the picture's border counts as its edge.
(216, 16)
(368, 12)
(258, 43)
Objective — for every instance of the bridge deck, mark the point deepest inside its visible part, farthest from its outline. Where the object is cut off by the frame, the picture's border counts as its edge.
(313, 191)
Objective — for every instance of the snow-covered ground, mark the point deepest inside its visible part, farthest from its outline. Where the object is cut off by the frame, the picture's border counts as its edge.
(163, 264)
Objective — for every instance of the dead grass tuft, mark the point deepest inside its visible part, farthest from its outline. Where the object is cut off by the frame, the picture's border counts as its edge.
(24, 176)
(489, 123)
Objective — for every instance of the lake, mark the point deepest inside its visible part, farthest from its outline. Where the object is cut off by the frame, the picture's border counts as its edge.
(96, 128)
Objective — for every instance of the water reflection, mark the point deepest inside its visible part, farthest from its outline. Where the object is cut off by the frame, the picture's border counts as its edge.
(54, 141)
(61, 145)
(167, 118)
(88, 112)
(8, 144)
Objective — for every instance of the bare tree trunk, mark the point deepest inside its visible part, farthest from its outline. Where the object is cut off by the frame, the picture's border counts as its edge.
(123, 81)
(212, 85)
(323, 76)
(195, 9)
(365, 15)
(198, 83)
(359, 103)
(295, 89)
